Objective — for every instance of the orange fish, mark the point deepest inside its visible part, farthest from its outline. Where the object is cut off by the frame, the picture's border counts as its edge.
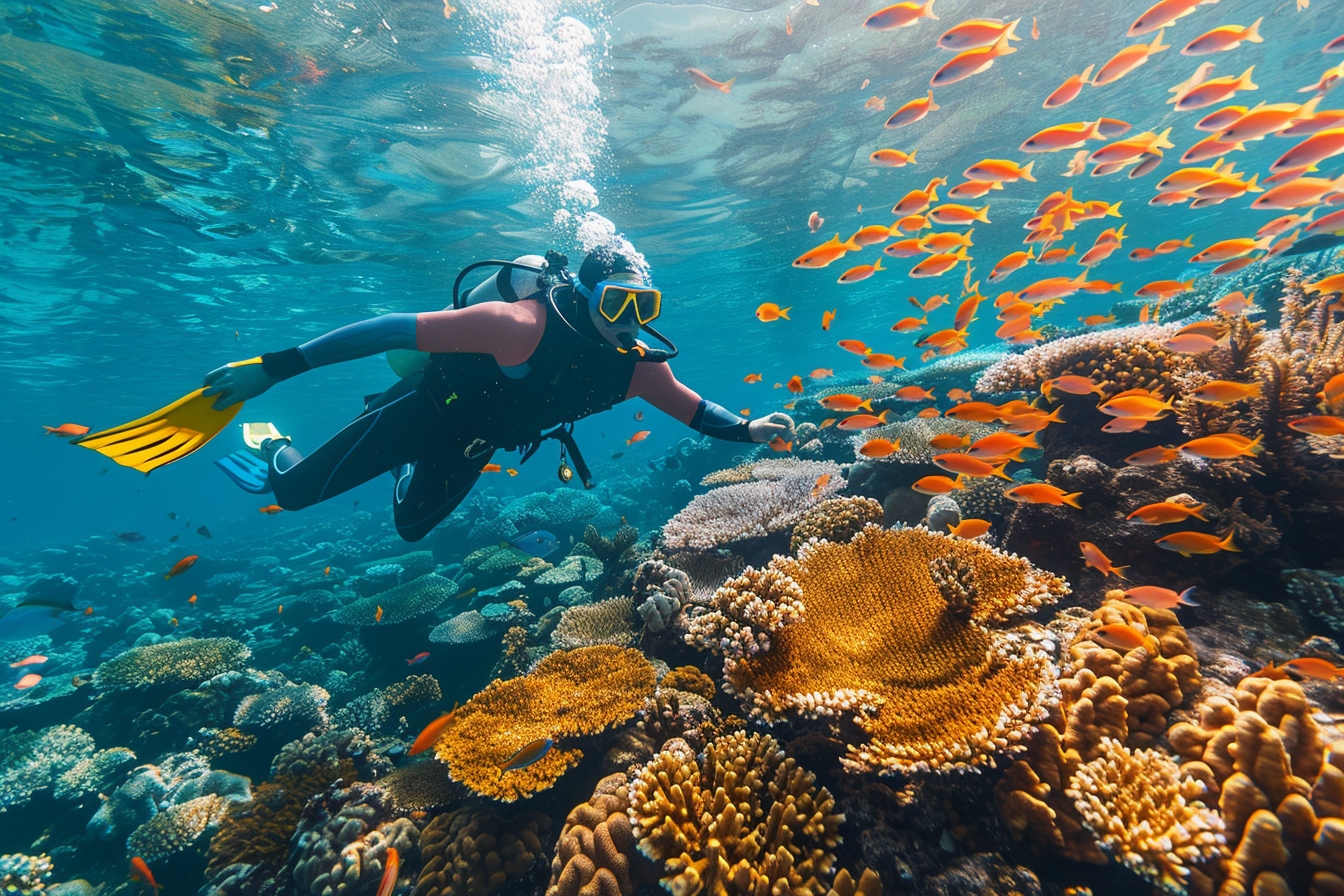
(1095, 320)
(965, 465)
(270, 509)
(280, 610)
(860, 272)
(1187, 543)
(1128, 59)
(974, 33)
(845, 402)
(1333, 390)
(704, 81)
(391, 868)
(752, 378)
(862, 421)
(827, 317)
(820, 257)
(431, 733)
(1094, 558)
(788, 29)
(855, 346)
(1055, 256)
(955, 215)
(182, 566)
(911, 112)
(973, 189)
(1164, 512)
(899, 15)
(193, 598)
(34, 660)
(378, 614)
(326, 570)
(909, 324)
(973, 61)
(1318, 426)
(882, 361)
(1005, 444)
(1000, 170)
(1119, 636)
(914, 393)
(795, 385)
(970, 528)
(928, 414)
(66, 430)
(769, 311)
(937, 265)
(88, 611)
(1314, 667)
(492, 468)
(822, 481)
(173, 621)
(937, 485)
(1042, 493)
(947, 441)
(1069, 90)
(27, 681)
(1223, 446)
(1159, 598)
(1062, 136)
(880, 447)
(778, 444)
(1072, 384)
(1011, 262)
(638, 437)
(1215, 90)
(821, 373)
(141, 871)
(1223, 392)
(876, 103)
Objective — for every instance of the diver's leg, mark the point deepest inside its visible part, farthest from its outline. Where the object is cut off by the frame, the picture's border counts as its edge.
(368, 446)
(431, 489)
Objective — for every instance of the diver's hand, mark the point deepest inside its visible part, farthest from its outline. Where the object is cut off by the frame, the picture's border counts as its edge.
(236, 382)
(769, 426)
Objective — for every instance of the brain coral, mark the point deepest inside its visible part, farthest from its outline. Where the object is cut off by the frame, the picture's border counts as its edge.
(835, 519)
(567, 694)
(479, 851)
(406, 601)
(754, 508)
(879, 641)
(1118, 359)
(744, 819)
(596, 855)
(188, 661)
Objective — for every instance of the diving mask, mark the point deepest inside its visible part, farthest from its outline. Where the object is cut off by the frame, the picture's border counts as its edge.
(614, 298)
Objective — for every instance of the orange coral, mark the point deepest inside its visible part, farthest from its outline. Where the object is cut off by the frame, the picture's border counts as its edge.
(879, 641)
(569, 693)
(596, 854)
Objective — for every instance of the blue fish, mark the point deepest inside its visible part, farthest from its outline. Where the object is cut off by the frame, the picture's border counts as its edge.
(35, 617)
(538, 543)
(529, 754)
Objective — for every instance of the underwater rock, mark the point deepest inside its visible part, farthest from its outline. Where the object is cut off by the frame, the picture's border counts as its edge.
(943, 513)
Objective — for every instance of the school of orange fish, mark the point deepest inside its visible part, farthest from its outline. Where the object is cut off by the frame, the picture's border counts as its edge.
(1288, 186)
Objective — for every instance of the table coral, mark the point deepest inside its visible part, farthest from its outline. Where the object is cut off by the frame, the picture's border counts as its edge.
(1146, 814)
(479, 851)
(752, 509)
(605, 622)
(743, 819)
(878, 642)
(568, 694)
(422, 785)
(596, 854)
(835, 519)
(188, 661)
(406, 601)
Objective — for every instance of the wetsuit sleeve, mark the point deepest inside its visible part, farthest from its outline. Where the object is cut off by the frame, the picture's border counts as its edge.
(508, 331)
(654, 382)
(357, 340)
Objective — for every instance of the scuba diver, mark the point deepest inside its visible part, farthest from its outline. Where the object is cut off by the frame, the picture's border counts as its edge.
(514, 362)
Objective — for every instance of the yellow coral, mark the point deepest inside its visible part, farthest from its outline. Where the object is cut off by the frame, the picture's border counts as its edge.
(478, 851)
(596, 854)
(879, 641)
(835, 519)
(568, 694)
(745, 819)
(1146, 814)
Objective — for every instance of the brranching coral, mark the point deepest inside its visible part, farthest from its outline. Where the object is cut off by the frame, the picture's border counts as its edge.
(188, 661)
(605, 622)
(880, 642)
(568, 694)
(744, 612)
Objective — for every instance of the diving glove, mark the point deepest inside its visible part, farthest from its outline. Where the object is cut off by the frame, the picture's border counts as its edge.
(237, 381)
(769, 426)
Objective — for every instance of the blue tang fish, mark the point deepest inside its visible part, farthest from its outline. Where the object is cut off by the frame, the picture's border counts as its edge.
(538, 543)
(527, 755)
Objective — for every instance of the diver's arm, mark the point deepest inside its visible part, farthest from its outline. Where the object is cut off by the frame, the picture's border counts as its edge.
(507, 331)
(654, 382)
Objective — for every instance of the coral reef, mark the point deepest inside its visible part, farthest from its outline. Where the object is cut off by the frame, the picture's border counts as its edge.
(605, 622)
(290, 705)
(664, 590)
(744, 819)
(596, 853)
(569, 693)
(61, 758)
(1116, 359)
(177, 827)
(24, 875)
(879, 642)
(340, 845)
(745, 612)
(187, 661)
(406, 601)
(755, 508)
(479, 851)
(835, 519)
(464, 628)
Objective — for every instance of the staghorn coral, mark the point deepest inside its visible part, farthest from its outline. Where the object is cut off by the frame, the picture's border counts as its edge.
(576, 569)
(835, 519)
(744, 612)
(290, 705)
(752, 509)
(605, 622)
(596, 854)
(878, 642)
(569, 693)
(744, 819)
(479, 851)
(188, 661)
(339, 847)
(1117, 359)
(406, 601)
(610, 550)
(1146, 814)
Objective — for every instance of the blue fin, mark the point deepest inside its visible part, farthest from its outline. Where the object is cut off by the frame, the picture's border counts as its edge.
(248, 472)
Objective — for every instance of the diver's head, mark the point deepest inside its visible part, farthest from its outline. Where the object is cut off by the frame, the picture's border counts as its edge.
(619, 295)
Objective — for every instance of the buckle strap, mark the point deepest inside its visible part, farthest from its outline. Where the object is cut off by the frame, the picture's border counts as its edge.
(564, 434)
